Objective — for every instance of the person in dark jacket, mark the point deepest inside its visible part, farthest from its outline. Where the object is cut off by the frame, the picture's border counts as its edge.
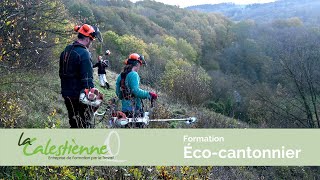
(76, 74)
(102, 65)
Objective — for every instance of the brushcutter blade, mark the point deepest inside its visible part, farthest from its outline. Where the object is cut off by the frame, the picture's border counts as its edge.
(191, 120)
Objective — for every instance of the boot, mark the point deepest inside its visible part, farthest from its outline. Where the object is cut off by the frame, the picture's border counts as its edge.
(107, 86)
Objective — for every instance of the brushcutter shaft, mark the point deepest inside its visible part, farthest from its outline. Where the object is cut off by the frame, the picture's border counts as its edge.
(191, 119)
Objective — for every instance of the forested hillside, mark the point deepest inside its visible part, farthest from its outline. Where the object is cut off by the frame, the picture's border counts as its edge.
(306, 10)
(260, 73)
(230, 74)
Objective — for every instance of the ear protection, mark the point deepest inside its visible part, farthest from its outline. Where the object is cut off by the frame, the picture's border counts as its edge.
(86, 30)
(76, 28)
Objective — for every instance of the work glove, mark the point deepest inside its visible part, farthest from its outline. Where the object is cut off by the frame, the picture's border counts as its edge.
(153, 95)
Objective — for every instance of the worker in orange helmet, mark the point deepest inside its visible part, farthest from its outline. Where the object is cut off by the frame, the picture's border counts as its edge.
(76, 74)
(127, 87)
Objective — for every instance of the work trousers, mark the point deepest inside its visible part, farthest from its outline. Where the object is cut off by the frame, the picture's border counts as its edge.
(80, 115)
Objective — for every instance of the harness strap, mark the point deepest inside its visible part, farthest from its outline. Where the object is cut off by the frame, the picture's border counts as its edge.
(66, 57)
(126, 92)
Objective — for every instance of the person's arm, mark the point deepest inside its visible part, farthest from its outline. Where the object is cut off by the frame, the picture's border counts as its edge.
(133, 82)
(86, 71)
(118, 93)
(61, 64)
(107, 63)
(96, 65)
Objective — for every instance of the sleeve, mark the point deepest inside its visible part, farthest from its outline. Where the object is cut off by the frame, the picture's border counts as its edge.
(86, 71)
(96, 65)
(118, 93)
(107, 63)
(133, 82)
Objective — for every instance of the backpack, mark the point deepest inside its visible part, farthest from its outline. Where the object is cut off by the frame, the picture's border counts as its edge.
(125, 91)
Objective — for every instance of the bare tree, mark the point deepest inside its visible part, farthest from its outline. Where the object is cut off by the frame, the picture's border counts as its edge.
(297, 53)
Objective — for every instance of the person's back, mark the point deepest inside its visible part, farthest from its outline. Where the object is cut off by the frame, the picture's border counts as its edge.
(128, 87)
(75, 70)
(132, 82)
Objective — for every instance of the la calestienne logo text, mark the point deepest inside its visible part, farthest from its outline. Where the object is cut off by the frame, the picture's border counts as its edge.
(30, 147)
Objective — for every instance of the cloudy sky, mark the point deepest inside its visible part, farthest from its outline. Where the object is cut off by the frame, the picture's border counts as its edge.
(185, 3)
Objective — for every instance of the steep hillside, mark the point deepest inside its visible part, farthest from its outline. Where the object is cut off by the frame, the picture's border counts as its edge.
(306, 10)
(44, 107)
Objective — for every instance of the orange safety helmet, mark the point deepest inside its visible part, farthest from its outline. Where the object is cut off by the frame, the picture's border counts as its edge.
(135, 57)
(89, 31)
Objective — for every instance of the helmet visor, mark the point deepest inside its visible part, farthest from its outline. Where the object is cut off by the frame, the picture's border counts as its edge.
(97, 34)
(142, 61)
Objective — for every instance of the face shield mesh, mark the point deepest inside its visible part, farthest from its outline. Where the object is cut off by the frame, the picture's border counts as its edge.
(97, 34)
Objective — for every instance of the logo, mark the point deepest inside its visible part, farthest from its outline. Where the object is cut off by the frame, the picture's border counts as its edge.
(72, 148)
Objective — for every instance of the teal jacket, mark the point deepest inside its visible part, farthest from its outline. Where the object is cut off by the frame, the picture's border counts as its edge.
(132, 82)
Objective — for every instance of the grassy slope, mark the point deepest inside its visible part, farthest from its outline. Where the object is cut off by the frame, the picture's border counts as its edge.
(43, 107)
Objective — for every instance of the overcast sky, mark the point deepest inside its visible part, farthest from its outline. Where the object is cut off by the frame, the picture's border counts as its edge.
(185, 3)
